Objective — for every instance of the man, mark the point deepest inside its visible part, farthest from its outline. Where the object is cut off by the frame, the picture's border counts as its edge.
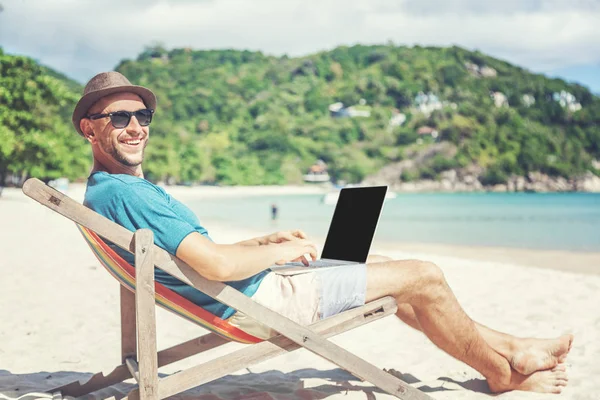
(114, 116)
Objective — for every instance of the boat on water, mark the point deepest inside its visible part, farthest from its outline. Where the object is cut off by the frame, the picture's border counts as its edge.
(317, 178)
(317, 173)
(331, 198)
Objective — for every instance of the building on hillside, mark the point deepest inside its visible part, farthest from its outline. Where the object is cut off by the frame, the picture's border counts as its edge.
(427, 103)
(337, 110)
(317, 173)
(566, 100)
(500, 99)
(397, 119)
(428, 131)
(528, 100)
(354, 112)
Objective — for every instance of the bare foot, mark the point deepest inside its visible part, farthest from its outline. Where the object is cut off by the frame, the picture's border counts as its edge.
(550, 381)
(540, 354)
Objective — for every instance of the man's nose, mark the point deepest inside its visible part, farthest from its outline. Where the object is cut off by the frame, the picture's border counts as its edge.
(134, 126)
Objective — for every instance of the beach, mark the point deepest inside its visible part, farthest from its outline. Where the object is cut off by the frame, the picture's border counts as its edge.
(59, 315)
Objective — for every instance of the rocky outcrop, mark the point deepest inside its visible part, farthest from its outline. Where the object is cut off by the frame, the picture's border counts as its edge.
(391, 173)
(588, 183)
(467, 180)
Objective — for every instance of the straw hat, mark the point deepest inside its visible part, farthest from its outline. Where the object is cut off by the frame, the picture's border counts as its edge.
(104, 84)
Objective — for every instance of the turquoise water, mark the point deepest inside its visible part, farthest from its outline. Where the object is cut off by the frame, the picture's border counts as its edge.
(560, 221)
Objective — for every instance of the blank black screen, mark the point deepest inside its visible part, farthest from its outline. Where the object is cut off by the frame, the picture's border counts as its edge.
(353, 224)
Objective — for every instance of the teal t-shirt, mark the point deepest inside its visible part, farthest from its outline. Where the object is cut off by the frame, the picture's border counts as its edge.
(135, 203)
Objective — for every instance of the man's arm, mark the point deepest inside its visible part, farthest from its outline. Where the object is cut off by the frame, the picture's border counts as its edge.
(257, 241)
(142, 206)
(234, 262)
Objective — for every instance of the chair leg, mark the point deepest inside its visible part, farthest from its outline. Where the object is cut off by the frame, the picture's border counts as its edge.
(128, 325)
(242, 358)
(145, 314)
(250, 355)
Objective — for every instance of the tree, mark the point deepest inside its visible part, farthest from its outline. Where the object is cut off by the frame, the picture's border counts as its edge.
(240, 117)
(37, 137)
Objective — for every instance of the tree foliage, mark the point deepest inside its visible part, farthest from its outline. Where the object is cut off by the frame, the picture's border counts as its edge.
(242, 117)
(36, 137)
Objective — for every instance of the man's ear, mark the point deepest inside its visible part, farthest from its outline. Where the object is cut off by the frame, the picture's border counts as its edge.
(88, 132)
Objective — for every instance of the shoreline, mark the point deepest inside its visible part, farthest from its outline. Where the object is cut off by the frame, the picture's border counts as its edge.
(566, 261)
(563, 260)
(215, 191)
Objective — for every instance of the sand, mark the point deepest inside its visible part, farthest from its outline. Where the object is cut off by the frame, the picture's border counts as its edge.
(59, 317)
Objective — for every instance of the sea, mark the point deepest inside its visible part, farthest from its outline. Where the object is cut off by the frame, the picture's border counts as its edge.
(556, 221)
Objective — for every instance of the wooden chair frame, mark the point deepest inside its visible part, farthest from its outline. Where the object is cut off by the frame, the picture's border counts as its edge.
(140, 358)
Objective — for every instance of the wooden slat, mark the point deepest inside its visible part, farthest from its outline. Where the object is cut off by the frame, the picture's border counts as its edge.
(128, 332)
(133, 368)
(275, 346)
(329, 327)
(146, 314)
(190, 348)
(223, 293)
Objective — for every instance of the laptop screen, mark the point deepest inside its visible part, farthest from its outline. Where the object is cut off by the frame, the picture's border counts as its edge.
(353, 224)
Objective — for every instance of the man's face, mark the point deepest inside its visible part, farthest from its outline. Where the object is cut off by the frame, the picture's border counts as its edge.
(122, 145)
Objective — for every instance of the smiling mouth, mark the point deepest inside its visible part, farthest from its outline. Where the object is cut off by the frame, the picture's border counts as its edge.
(131, 142)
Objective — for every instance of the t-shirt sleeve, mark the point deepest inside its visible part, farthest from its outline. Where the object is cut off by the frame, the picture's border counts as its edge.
(141, 206)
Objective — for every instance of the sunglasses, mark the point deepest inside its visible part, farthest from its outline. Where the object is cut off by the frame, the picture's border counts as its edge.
(120, 119)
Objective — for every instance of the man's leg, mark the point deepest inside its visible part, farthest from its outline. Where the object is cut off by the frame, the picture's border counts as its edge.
(525, 355)
(440, 317)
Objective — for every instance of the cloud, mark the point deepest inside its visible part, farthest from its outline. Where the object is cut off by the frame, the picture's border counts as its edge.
(506, 7)
(82, 38)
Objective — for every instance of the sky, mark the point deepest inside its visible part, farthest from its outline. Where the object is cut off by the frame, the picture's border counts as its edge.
(83, 37)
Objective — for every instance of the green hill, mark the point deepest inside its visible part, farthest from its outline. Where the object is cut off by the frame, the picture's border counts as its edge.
(36, 136)
(241, 117)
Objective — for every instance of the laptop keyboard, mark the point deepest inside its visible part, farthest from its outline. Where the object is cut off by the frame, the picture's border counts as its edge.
(315, 264)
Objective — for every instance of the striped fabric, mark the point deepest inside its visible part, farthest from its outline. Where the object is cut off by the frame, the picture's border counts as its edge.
(165, 297)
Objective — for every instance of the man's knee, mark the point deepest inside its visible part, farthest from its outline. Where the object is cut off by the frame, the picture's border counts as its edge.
(408, 280)
(423, 272)
(431, 282)
(426, 279)
(430, 272)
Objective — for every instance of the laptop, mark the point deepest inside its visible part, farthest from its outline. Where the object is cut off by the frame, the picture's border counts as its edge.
(351, 230)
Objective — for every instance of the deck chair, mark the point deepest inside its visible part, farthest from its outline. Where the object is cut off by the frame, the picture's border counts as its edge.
(139, 292)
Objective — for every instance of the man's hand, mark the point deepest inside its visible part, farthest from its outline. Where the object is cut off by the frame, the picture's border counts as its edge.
(280, 237)
(277, 237)
(295, 250)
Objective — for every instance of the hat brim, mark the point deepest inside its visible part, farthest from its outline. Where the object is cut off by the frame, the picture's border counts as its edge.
(88, 100)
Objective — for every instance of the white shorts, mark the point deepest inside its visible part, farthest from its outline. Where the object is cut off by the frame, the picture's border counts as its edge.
(306, 298)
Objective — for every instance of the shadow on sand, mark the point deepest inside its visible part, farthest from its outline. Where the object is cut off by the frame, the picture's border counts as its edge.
(304, 384)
